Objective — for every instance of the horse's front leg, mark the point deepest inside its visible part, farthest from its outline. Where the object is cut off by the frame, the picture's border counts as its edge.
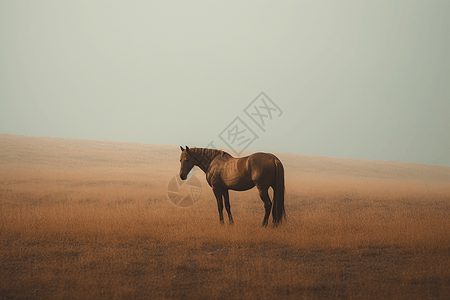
(227, 206)
(218, 193)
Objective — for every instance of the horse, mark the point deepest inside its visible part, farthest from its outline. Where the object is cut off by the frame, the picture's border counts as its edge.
(224, 173)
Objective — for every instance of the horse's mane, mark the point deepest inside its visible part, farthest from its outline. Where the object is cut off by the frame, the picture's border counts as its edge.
(208, 153)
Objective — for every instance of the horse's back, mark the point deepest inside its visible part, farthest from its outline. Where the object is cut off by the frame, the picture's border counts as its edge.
(267, 160)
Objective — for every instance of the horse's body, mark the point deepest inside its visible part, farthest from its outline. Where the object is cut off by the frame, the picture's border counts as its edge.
(224, 172)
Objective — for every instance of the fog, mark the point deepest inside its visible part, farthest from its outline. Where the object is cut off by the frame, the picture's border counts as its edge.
(346, 79)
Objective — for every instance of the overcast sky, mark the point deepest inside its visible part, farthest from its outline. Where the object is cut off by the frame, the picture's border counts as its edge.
(355, 79)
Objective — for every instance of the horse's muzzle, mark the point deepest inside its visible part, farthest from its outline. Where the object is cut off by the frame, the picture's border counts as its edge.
(183, 177)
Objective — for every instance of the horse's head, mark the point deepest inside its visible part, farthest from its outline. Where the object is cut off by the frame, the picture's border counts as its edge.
(187, 162)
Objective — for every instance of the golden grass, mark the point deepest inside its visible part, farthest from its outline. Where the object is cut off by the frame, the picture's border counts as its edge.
(108, 231)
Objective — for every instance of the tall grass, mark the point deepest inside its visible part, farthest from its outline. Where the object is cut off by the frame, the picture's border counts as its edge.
(66, 237)
(98, 225)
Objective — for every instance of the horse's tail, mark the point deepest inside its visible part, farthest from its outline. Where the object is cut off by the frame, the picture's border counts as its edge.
(278, 194)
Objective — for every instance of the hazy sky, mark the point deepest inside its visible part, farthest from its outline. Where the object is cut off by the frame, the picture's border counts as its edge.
(357, 79)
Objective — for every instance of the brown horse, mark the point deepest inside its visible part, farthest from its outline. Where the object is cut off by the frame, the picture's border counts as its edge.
(224, 172)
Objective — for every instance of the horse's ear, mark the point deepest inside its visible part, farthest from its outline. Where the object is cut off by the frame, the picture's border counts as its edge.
(187, 149)
(181, 148)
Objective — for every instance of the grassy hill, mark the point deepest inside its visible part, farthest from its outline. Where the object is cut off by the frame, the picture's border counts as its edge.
(93, 220)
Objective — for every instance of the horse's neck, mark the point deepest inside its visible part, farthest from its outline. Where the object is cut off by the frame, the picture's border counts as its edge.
(206, 157)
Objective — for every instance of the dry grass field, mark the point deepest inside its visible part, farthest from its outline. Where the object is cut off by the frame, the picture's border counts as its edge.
(91, 220)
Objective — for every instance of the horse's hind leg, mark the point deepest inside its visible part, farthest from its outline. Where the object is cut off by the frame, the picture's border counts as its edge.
(263, 193)
(226, 198)
(218, 193)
